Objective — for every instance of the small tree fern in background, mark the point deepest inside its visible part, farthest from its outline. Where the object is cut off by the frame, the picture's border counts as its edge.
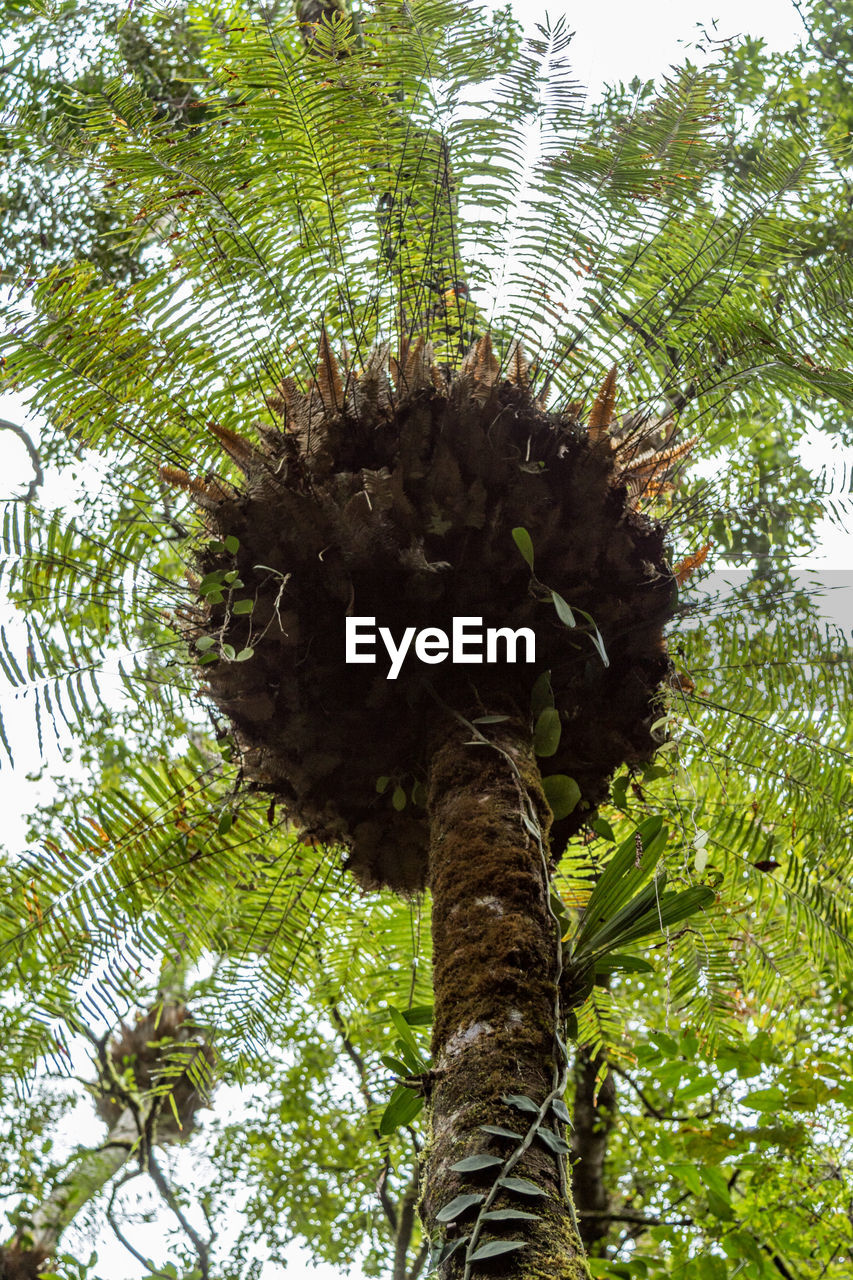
(421, 334)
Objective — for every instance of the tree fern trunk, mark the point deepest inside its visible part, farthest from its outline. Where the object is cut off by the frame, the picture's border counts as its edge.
(495, 973)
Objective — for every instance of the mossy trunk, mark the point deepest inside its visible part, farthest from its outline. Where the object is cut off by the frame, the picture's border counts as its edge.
(495, 972)
(84, 1178)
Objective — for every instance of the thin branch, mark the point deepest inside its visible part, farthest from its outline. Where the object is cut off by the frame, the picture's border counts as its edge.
(134, 1173)
(162, 1185)
(388, 1206)
(35, 459)
(652, 1110)
(353, 1054)
(842, 63)
(640, 1219)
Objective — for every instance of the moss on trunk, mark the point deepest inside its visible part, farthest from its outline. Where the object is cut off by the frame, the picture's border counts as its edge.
(495, 970)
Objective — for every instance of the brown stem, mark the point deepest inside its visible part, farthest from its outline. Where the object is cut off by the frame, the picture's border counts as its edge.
(495, 969)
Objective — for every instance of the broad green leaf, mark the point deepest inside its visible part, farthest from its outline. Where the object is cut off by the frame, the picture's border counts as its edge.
(627, 869)
(404, 1031)
(402, 1109)
(420, 1015)
(770, 1099)
(562, 794)
(615, 963)
(670, 909)
(394, 1064)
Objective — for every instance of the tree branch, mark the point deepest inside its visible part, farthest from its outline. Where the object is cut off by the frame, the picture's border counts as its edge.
(134, 1173)
(651, 1109)
(35, 459)
(388, 1206)
(158, 1178)
(640, 1219)
(89, 1174)
(842, 63)
(592, 1121)
(404, 1232)
(353, 1054)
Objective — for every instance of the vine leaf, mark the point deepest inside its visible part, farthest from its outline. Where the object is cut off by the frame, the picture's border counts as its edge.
(546, 735)
(524, 542)
(500, 1132)
(494, 1248)
(442, 1252)
(457, 1206)
(471, 1164)
(509, 1215)
(564, 610)
(523, 1186)
(521, 1102)
(561, 1111)
(553, 1142)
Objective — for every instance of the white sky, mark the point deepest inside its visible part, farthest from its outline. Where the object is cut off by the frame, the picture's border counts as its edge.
(615, 40)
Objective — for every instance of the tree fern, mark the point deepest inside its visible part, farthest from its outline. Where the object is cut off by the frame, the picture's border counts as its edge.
(344, 196)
